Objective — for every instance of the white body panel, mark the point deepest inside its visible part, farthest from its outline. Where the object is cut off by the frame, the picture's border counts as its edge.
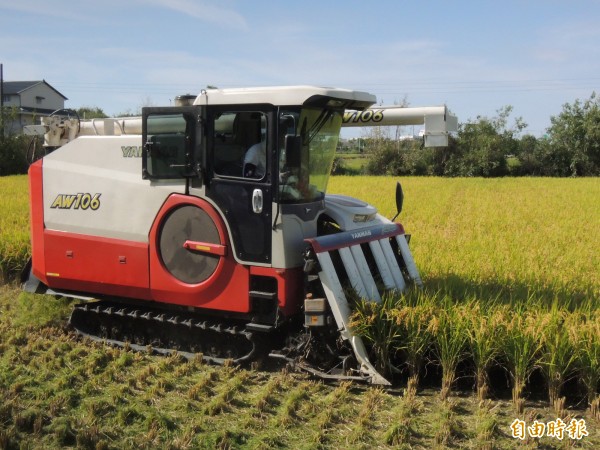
(288, 239)
(109, 166)
(282, 95)
(438, 120)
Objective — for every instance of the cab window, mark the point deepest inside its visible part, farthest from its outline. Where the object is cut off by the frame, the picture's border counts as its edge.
(240, 144)
(169, 145)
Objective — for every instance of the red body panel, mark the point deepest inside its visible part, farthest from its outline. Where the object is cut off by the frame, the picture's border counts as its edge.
(226, 289)
(290, 289)
(97, 264)
(36, 214)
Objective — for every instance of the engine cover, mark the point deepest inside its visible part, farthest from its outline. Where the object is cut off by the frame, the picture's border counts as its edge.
(188, 223)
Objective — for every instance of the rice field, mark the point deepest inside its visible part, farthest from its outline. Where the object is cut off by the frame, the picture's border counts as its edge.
(14, 224)
(504, 337)
(514, 235)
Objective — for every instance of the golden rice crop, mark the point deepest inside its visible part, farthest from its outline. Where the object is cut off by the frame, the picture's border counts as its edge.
(509, 235)
(14, 224)
(521, 255)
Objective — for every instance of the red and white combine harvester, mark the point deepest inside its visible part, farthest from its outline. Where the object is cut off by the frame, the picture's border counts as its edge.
(206, 227)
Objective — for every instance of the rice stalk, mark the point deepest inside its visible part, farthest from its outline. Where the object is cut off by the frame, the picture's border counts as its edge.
(449, 329)
(485, 342)
(402, 428)
(375, 323)
(414, 321)
(447, 426)
(363, 424)
(486, 426)
(585, 340)
(557, 357)
(522, 345)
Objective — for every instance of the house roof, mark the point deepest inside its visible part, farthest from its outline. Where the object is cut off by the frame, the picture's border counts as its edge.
(35, 111)
(16, 87)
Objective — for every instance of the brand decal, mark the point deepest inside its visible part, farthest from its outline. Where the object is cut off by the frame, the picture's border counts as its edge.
(77, 201)
(361, 234)
(368, 115)
(131, 151)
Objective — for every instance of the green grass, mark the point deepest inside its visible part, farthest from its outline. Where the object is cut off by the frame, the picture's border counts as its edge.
(354, 162)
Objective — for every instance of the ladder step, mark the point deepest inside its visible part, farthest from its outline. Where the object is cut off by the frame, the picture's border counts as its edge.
(263, 294)
(259, 327)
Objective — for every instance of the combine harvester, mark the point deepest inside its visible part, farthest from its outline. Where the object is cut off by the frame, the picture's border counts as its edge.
(206, 228)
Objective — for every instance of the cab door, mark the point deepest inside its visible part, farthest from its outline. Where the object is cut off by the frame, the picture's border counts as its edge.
(239, 176)
(171, 149)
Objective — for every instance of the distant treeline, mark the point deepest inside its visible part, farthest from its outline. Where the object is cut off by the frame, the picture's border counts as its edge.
(491, 147)
(485, 147)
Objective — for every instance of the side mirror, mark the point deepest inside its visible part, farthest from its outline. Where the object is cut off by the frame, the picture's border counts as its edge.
(399, 200)
(287, 121)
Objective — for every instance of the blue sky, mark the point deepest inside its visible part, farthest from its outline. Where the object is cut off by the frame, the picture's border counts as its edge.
(474, 56)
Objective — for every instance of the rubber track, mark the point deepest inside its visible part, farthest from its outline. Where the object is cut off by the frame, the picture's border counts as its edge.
(158, 331)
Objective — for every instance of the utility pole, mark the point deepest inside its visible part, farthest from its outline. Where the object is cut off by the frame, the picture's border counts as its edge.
(1, 101)
(2, 117)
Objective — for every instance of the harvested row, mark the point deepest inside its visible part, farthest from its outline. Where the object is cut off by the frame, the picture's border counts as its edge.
(60, 391)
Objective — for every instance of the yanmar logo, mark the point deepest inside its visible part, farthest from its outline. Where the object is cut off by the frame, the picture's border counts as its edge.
(76, 201)
(131, 151)
(361, 234)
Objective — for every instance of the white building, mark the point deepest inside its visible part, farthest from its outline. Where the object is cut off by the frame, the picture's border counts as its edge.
(30, 100)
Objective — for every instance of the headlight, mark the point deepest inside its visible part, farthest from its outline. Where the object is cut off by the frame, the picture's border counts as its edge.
(363, 217)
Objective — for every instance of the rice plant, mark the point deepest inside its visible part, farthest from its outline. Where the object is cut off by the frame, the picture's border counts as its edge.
(485, 342)
(414, 320)
(486, 425)
(489, 245)
(449, 330)
(446, 427)
(375, 323)
(557, 358)
(14, 225)
(522, 345)
(585, 339)
(363, 423)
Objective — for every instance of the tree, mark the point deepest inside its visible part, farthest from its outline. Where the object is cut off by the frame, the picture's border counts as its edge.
(483, 145)
(13, 147)
(527, 153)
(574, 145)
(91, 112)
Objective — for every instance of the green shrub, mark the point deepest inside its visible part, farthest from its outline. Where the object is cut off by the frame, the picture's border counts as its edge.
(13, 152)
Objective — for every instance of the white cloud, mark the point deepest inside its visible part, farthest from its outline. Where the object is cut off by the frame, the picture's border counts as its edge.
(56, 9)
(205, 11)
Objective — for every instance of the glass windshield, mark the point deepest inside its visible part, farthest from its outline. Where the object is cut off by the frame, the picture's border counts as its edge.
(305, 172)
